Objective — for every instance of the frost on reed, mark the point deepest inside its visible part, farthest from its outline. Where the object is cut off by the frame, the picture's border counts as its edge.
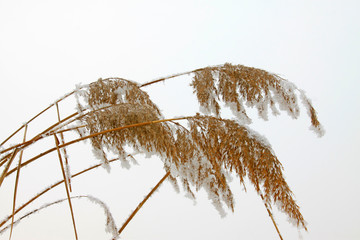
(200, 152)
(238, 84)
(117, 103)
(110, 226)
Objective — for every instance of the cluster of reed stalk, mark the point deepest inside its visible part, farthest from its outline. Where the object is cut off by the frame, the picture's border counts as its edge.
(116, 114)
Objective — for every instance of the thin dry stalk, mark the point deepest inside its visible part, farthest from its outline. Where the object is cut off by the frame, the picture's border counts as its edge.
(66, 184)
(67, 130)
(173, 76)
(55, 128)
(48, 189)
(5, 172)
(11, 135)
(16, 184)
(37, 115)
(4, 159)
(37, 137)
(110, 221)
(143, 202)
(271, 216)
(64, 149)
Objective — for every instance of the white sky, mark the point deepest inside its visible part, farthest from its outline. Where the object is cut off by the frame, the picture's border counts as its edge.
(47, 47)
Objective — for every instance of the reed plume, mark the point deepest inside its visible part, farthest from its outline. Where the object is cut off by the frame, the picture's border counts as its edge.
(198, 152)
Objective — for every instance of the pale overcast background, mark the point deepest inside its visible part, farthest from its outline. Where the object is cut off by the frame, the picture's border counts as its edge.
(47, 47)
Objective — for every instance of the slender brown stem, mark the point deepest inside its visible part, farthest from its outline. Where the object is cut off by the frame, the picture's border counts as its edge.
(67, 129)
(39, 136)
(66, 184)
(143, 202)
(37, 115)
(5, 172)
(271, 216)
(11, 135)
(54, 203)
(17, 183)
(169, 77)
(93, 135)
(4, 159)
(48, 189)
(55, 128)
(64, 149)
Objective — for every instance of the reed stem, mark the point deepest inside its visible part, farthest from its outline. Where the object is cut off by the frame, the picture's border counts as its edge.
(48, 189)
(6, 169)
(271, 216)
(64, 149)
(37, 115)
(94, 135)
(143, 202)
(17, 183)
(66, 184)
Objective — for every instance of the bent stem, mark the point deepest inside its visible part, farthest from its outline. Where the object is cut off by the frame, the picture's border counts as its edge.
(55, 128)
(48, 189)
(173, 76)
(94, 135)
(271, 216)
(37, 137)
(143, 202)
(67, 171)
(72, 92)
(66, 184)
(5, 172)
(37, 115)
(16, 184)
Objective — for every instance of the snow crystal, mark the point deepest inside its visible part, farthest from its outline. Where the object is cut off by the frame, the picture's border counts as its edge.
(124, 163)
(260, 138)
(149, 154)
(241, 116)
(175, 184)
(191, 197)
(174, 171)
(99, 154)
(217, 204)
(121, 93)
(110, 222)
(132, 159)
(63, 150)
(67, 172)
(292, 107)
(274, 110)
(204, 110)
(80, 94)
(319, 130)
(80, 130)
(300, 235)
(262, 108)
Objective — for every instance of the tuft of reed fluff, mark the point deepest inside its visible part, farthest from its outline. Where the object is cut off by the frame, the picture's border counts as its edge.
(237, 85)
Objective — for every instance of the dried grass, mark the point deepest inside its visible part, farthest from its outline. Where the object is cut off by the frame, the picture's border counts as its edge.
(115, 113)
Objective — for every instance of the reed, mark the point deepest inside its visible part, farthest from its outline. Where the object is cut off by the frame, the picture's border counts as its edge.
(199, 154)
